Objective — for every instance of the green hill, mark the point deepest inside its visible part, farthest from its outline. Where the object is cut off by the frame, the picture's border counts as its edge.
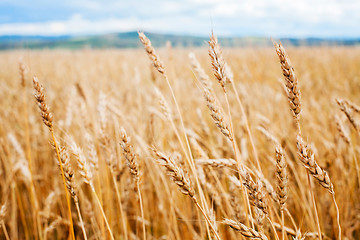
(130, 40)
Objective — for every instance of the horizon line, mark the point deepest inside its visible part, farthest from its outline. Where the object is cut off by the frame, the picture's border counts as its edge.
(183, 35)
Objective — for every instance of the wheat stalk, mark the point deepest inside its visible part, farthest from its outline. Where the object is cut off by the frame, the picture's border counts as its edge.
(47, 118)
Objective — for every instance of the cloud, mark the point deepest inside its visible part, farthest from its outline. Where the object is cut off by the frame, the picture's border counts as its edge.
(321, 18)
(75, 25)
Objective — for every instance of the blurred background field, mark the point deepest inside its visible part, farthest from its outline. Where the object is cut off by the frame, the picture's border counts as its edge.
(115, 119)
(84, 87)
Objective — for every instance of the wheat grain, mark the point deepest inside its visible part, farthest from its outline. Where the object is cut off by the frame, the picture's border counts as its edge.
(281, 175)
(217, 163)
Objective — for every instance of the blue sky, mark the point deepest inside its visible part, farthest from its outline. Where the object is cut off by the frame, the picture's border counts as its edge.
(276, 18)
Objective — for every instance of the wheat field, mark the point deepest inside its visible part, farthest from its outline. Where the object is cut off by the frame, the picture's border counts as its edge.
(259, 147)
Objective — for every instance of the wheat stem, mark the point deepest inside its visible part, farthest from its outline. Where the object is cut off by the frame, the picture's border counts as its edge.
(102, 211)
(80, 219)
(337, 215)
(273, 228)
(282, 225)
(123, 217)
(314, 205)
(48, 121)
(5, 231)
(141, 210)
(206, 217)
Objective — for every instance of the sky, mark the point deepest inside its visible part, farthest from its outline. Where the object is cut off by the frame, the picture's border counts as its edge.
(276, 18)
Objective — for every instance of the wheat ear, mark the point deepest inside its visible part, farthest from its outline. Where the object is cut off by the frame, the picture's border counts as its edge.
(218, 115)
(308, 159)
(45, 113)
(131, 160)
(345, 136)
(255, 190)
(220, 68)
(345, 107)
(291, 82)
(346, 110)
(282, 180)
(244, 230)
(281, 175)
(178, 176)
(151, 53)
(256, 194)
(217, 163)
(200, 73)
(340, 128)
(352, 105)
(164, 106)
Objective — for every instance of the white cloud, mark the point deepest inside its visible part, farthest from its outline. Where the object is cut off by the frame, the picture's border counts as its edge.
(239, 17)
(75, 25)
